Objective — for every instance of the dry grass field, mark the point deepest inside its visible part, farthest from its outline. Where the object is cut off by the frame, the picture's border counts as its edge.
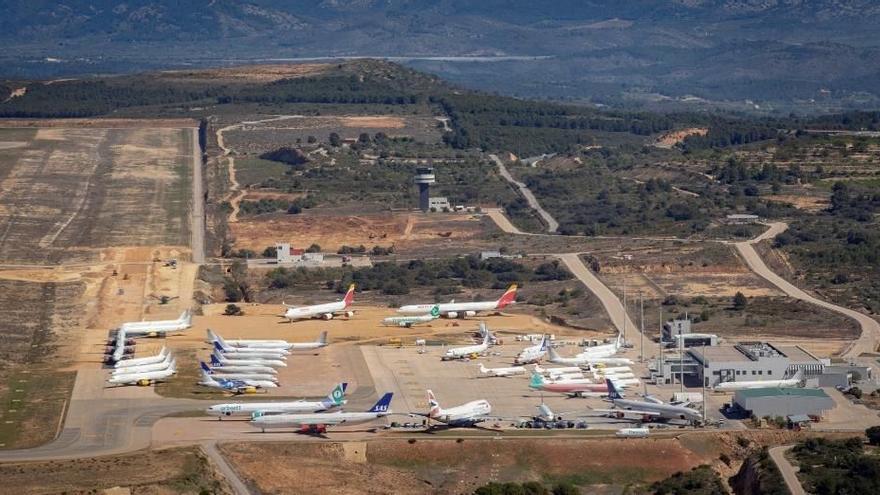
(69, 190)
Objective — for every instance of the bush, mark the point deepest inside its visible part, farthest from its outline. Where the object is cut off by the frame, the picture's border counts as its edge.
(314, 248)
(739, 301)
(873, 434)
(233, 310)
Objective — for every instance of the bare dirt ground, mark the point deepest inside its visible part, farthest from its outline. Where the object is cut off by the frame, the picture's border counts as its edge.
(801, 202)
(73, 189)
(159, 472)
(447, 466)
(249, 73)
(672, 138)
(100, 123)
(332, 232)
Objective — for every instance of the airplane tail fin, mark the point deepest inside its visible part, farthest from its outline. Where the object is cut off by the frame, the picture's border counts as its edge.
(383, 404)
(214, 360)
(483, 368)
(545, 342)
(537, 380)
(207, 378)
(613, 393)
(322, 339)
(219, 348)
(205, 368)
(349, 296)
(552, 354)
(545, 412)
(433, 406)
(337, 395)
(508, 297)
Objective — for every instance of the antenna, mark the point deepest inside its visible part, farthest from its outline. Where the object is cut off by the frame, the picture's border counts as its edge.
(624, 309)
(642, 328)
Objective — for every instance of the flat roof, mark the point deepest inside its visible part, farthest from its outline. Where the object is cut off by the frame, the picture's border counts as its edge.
(725, 353)
(797, 355)
(751, 393)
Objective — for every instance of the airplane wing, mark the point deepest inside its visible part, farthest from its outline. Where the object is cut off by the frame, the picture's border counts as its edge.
(628, 412)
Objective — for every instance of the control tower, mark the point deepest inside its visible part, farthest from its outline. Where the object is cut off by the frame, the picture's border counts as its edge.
(424, 178)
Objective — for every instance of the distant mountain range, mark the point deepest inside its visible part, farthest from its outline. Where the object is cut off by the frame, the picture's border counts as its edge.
(780, 54)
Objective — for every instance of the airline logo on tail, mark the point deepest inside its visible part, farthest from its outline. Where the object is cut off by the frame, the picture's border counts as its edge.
(613, 393)
(383, 404)
(349, 296)
(537, 381)
(205, 368)
(508, 297)
(433, 405)
(337, 395)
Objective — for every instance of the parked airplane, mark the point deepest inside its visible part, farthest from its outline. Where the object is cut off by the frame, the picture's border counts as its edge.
(648, 409)
(244, 353)
(308, 346)
(453, 309)
(219, 373)
(336, 398)
(409, 321)
(237, 360)
(557, 371)
(144, 379)
(570, 388)
(154, 328)
(144, 368)
(471, 350)
(465, 415)
(604, 350)
(513, 370)
(794, 381)
(633, 432)
(272, 344)
(217, 365)
(325, 311)
(318, 422)
(534, 353)
(233, 385)
(158, 358)
(585, 359)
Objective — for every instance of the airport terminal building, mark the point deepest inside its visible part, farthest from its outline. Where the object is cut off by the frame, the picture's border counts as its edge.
(746, 361)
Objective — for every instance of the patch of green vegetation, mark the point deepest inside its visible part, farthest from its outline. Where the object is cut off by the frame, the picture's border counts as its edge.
(604, 475)
(837, 466)
(32, 406)
(701, 480)
(254, 171)
(526, 488)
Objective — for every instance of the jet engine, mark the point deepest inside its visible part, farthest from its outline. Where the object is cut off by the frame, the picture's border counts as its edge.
(145, 382)
(327, 316)
(349, 314)
(469, 314)
(452, 314)
(249, 390)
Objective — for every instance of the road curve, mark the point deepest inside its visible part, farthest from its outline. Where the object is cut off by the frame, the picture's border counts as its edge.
(789, 474)
(609, 300)
(870, 336)
(552, 224)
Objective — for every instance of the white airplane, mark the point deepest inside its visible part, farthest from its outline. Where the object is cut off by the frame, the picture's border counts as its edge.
(271, 344)
(633, 432)
(245, 353)
(236, 360)
(410, 321)
(585, 359)
(471, 350)
(648, 409)
(143, 379)
(158, 358)
(465, 415)
(308, 346)
(145, 368)
(325, 311)
(318, 422)
(513, 370)
(219, 366)
(336, 398)
(238, 376)
(604, 350)
(533, 354)
(611, 370)
(235, 385)
(557, 371)
(155, 328)
(794, 381)
(453, 309)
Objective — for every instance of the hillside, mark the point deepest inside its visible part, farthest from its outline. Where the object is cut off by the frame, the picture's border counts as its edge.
(811, 56)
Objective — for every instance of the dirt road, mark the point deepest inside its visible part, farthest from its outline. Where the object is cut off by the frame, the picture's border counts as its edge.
(788, 471)
(552, 224)
(609, 301)
(870, 336)
(198, 203)
(503, 222)
(235, 482)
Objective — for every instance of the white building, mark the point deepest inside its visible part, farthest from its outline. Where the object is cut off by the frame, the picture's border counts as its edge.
(439, 203)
